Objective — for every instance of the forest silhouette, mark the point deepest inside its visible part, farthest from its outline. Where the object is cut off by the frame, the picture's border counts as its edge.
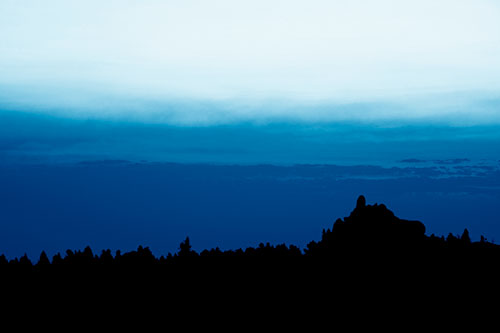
(371, 250)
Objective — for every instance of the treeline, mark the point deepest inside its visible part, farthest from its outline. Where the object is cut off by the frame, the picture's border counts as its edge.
(453, 246)
(369, 263)
(144, 257)
(371, 238)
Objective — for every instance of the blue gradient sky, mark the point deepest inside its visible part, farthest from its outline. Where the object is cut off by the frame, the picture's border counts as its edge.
(277, 114)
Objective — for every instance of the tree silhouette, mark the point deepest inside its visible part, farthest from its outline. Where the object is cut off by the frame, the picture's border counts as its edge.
(44, 260)
(185, 249)
(465, 237)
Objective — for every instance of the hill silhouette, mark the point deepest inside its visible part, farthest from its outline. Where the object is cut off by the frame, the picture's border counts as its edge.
(368, 231)
(369, 252)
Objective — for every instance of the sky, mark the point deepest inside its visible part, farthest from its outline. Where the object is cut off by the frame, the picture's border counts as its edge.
(121, 205)
(141, 122)
(258, 60)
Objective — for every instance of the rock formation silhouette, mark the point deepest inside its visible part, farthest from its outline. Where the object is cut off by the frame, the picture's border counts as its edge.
(371, 240)
(375, 224)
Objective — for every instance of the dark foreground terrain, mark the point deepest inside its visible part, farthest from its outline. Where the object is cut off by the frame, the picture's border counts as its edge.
(369, 259)
(371, 240)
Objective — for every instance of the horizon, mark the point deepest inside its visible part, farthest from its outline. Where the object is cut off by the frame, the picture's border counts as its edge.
(398, 100)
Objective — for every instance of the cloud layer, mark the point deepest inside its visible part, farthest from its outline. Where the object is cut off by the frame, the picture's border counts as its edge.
(83, 55)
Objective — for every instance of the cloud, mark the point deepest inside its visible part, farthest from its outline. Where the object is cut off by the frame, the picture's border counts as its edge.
(451, 109)
(301, 50)
(29, 137)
